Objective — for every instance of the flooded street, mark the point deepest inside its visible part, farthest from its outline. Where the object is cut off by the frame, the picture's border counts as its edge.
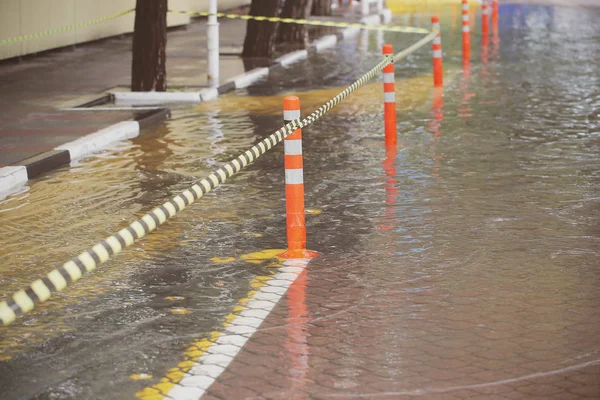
(463, 264)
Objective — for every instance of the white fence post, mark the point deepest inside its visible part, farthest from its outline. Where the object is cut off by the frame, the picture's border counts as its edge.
(364, 6)
(212, 35)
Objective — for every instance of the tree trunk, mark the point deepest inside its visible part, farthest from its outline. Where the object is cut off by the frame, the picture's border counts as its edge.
(148, 68)
(294, 34)
(260, 34)
(321, 7)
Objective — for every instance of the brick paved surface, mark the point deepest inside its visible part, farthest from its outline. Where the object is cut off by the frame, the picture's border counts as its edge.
(351, 335)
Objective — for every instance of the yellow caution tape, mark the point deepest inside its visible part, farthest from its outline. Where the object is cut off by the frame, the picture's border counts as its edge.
(387, 28)
(68, 28)
(57, 280)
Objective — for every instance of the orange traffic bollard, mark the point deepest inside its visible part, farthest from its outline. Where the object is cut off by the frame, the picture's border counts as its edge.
(389, 98)
(485, 31)
(294, 185)
(466, 32)
(485, 19)
(438, 69)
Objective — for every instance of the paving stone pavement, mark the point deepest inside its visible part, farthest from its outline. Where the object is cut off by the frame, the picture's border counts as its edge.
(391, 338)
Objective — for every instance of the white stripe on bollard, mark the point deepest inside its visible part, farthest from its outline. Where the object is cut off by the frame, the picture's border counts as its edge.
(290, 115)
(294, 176)
(388, 78)
(389, 97)
(293, 147)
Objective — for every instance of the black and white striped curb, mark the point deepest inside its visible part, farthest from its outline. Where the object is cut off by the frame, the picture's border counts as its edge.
(13, 177)
(248, 78)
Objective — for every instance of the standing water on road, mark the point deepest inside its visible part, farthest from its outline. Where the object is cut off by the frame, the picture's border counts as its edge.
(462, 264)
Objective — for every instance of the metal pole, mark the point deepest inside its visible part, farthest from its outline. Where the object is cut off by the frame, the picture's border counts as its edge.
(364, 7)
(212, 35)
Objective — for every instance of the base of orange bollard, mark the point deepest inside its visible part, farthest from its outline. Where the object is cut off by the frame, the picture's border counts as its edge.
(299, 253)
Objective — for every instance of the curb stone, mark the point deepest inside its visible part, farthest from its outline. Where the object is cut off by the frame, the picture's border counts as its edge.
(328, 41)
(16, 176)
(247, 78)
(13, 177)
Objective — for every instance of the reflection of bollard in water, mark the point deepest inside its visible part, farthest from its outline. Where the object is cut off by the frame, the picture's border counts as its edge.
(391, 191)
(363, 42)
(379, 38)
(466, 32)
(453, 22)
(438, 69)
(438, 110)
(389, 98)
(484, 50)
(495, 37)
(294, 185)
(465, 111)
(296, 342)
(436, 127)
(495, 13)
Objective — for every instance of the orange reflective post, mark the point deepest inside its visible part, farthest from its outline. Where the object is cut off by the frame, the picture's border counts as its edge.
(438, 69)
(466, 32)
(485, 19)
(485, 31)
(294, 185)
(389, 98)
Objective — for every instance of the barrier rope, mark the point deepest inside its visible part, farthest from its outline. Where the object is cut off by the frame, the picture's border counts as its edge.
(387, 28)
(24, 300)
(67, 28)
